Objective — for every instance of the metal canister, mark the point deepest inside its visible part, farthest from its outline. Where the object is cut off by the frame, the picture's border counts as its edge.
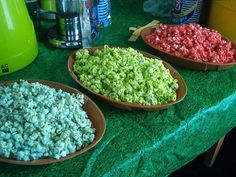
(68, 19)
(70, 29)
(186, 11)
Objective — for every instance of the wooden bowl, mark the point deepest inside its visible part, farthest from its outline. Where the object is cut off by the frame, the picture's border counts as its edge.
(94, 114)
(185, 62)
(181, 92)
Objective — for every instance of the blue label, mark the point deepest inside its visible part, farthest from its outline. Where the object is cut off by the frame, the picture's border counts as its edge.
(186, 11)
(100, 15)
(178, 6)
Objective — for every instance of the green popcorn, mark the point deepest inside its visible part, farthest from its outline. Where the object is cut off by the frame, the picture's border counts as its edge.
(124, 74)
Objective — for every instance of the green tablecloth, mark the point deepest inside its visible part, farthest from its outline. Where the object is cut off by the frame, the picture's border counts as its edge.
(139, 143)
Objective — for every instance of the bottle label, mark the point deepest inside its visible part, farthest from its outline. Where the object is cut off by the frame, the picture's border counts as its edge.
(100, 15)
(186, 11)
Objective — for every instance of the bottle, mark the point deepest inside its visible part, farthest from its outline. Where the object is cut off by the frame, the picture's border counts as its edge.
(186, 11)
(100, 15)
(158, 8)
(85, 23)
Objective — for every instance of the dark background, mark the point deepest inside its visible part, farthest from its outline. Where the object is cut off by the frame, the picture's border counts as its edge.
(224, 166)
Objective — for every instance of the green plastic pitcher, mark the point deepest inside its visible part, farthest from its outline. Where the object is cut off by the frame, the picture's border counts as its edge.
(18, 44)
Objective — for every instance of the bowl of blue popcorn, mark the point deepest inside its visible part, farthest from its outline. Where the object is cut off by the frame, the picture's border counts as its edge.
(44, 122)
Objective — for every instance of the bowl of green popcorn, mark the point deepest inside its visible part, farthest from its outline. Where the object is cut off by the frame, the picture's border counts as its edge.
(127, 78)
(45, 122)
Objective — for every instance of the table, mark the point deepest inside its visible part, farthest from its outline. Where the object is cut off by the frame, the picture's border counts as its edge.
(139, 143)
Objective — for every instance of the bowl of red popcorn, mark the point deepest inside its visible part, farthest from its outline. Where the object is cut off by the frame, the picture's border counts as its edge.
(191, 46)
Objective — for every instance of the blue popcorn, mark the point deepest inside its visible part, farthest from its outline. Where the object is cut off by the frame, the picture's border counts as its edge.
(41, 122)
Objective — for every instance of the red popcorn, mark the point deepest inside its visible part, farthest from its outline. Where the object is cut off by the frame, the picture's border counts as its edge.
(194, 42)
